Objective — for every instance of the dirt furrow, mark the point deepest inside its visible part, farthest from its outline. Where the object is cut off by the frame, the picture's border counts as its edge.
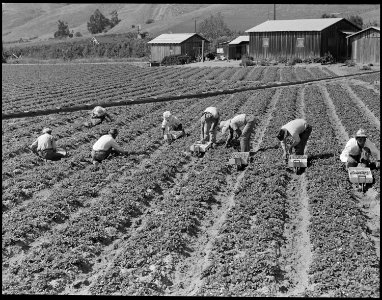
(365, 84)
(367, 112)
(189, 277)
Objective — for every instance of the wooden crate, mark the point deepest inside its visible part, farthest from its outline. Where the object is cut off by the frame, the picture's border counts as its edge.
(198, 147)
(173, 135)
(298, 161)
(240, 158)
(360, 175)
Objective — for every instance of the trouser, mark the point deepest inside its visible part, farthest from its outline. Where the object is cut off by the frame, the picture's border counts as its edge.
(209, 134)
(363, 159)
(300, 147)
(100, 155)
(179, 127)
(50, 154)
(245, 137)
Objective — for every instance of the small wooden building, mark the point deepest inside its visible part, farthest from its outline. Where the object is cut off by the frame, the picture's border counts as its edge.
(238, 47)
(301, 38)
(222, 49)
(177, 43)
(365, 46)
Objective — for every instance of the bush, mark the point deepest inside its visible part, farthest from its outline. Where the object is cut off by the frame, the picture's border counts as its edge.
(247, 61)
(78, 34)
(327, 59)
(282, 60)
(178, 59)
(350, 63)
(149, 21)
(294, 60)
(211, 56)
(366, 67)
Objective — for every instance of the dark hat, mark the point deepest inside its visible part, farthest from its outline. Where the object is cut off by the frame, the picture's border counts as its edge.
(113, 131)
(281, 134)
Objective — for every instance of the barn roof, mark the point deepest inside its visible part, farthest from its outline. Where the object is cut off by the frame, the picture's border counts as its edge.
(358, 32)
(239, 39)
(173, 38)
(295, 25)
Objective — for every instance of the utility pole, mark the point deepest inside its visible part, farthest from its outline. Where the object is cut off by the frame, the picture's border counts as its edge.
(195, 24)
(274, 11)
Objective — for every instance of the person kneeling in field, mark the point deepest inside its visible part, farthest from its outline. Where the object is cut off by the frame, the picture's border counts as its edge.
(98, 115)
(358, 150)
(105, 146)
(45, 146)
(170, 122)
(297, 132)
(234, 125)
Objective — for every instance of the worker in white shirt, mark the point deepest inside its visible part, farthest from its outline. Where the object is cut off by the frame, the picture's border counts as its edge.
(294, 136)
(106, 145)
(98, 115)
(234, 125)
(170, 122)
(209, 123)
(45, 146)
(358, 150)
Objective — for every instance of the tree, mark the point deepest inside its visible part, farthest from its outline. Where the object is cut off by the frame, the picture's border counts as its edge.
(356, 20)
(98, 22)
(325, 15)
(63, 30)
(214, 29)
(114, 18)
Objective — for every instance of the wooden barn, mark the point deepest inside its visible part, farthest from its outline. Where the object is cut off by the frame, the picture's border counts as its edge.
(177, 43)
(222, 49)
(365, 46)
(300, 38)
(238, 47)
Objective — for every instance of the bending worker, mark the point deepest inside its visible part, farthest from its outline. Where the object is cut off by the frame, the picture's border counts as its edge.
(105, 146)
(234, 125)
(98, 115)
(170, 122)
(294, 135)
(45, 146)
(358, 150)
(209, 125)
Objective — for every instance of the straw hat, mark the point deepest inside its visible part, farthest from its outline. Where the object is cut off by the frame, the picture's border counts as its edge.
(224, 125)
(166, 114)
(361, 133)
(47, 130)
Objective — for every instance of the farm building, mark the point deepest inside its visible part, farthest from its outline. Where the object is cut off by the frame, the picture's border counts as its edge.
(238, 47)
(301, 38)
(222, 49)
(365, 45)
(177, 43)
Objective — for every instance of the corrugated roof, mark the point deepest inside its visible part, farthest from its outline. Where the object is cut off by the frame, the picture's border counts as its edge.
(295, 25)
(239, 39)
(358, 32)
(172, 38)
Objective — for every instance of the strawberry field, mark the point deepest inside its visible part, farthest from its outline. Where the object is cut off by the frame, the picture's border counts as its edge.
(160, 221)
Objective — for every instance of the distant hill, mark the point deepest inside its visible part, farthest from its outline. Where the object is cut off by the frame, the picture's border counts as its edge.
(39, 20)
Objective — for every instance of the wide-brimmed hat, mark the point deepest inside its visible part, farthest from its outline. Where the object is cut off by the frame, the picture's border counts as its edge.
(224, 125)
(113, 131)
(47, 130)
(166, 114)
(361, 133)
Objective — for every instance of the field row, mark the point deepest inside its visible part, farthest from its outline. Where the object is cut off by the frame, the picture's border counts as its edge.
(45, 86)
(69, 230)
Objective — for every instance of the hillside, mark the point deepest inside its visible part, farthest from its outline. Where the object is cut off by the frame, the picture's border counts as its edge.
(39, 21)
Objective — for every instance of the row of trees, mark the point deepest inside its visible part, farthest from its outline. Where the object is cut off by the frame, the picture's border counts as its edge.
(355, 19)
(98, 23)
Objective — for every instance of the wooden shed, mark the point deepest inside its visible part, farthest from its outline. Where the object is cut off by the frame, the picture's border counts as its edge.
(365, 46)
(177, 43)
(301, 38)
(238, 47)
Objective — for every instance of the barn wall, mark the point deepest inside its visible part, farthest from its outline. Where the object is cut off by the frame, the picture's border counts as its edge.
(237, 51)
(284, 44)
(366, 47)
(193, 46)
(333, 40)
(158, 51)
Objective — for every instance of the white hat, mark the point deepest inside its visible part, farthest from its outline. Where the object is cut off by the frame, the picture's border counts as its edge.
(224, 125)
(166, 114)
(361, 133)
(46, 130)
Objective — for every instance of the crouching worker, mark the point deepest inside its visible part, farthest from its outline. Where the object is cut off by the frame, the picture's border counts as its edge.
(358, 150)
(169, 123)
(45, 146)
(98, 115)
(209, 123)
(294, 136)
(234, 125)
(105, 146)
